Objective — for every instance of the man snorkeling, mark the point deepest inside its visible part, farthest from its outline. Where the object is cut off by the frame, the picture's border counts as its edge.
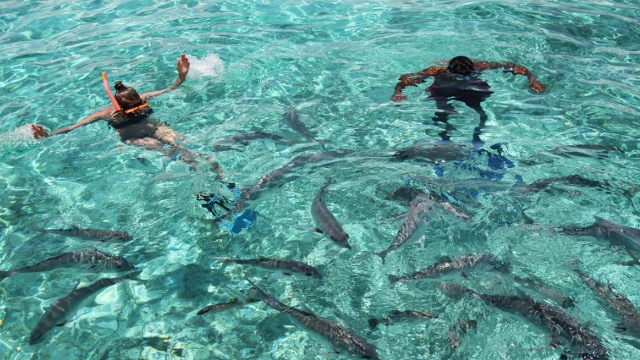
(460, 81)
(130, 116)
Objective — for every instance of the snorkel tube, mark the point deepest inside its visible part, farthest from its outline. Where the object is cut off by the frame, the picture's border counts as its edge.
(105, 82)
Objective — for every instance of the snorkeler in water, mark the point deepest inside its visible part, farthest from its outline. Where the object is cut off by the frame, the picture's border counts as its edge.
(460, 81)
(130, 116)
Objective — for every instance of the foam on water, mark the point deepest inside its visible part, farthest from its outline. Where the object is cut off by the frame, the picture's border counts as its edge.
(209, 66)
(20, 136)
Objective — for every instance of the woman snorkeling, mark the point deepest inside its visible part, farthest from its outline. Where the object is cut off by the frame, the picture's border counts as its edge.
(130, 116)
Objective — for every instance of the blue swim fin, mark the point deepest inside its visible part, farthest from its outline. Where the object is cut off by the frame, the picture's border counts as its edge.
(240, 221)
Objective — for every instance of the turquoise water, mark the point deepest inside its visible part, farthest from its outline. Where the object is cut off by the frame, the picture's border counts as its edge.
(337, 63)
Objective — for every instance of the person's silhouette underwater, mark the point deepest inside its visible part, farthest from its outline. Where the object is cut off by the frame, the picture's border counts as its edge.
(460, 81)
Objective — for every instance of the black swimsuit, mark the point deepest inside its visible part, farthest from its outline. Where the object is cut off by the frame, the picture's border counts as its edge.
(122, 121)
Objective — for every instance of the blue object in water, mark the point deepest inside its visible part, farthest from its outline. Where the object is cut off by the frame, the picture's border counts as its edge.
(496, 162)
(240, 221)
(219, 205)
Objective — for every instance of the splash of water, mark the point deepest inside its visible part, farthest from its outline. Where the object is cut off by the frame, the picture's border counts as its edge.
(209, 66)
(21, 136)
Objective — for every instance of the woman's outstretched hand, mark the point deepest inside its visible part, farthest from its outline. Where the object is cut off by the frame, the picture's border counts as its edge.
(39, 131)
(183, 67)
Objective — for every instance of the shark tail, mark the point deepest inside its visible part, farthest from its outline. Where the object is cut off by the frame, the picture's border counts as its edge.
(635, 260)
(322, 143)
(394, 278)
(5, 274)
(373, 323)
(382, 255)
(222, 259)
(40, 230)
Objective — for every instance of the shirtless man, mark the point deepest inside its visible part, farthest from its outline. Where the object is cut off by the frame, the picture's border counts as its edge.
(460, 81)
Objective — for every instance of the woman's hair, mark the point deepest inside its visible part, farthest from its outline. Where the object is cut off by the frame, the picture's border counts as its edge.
(127, 97)
(461, 65)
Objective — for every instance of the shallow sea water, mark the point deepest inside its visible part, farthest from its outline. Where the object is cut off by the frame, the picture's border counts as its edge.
(336, 63)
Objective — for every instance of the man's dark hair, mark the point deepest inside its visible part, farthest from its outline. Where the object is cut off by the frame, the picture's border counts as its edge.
(461, 65)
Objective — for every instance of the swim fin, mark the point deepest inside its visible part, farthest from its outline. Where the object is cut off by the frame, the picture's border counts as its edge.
(240, 221)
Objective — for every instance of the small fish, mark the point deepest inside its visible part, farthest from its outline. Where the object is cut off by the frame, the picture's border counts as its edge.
(326, 223)
(561, 325)
(413, 224)
(446, 265)
(616, 234)
(337, 335)
(288, 266)
(96, 260)
(244, 139)
(90, 234)
(60, 310)
(293, 119)
(438, 152)
(621, 306)
(224, 306)
(396, 315)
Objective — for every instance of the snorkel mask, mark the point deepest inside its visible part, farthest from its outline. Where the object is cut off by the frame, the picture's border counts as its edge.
(135, 109)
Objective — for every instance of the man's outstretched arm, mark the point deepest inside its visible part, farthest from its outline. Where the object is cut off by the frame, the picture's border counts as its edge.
(414, 79)
(534, 84)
